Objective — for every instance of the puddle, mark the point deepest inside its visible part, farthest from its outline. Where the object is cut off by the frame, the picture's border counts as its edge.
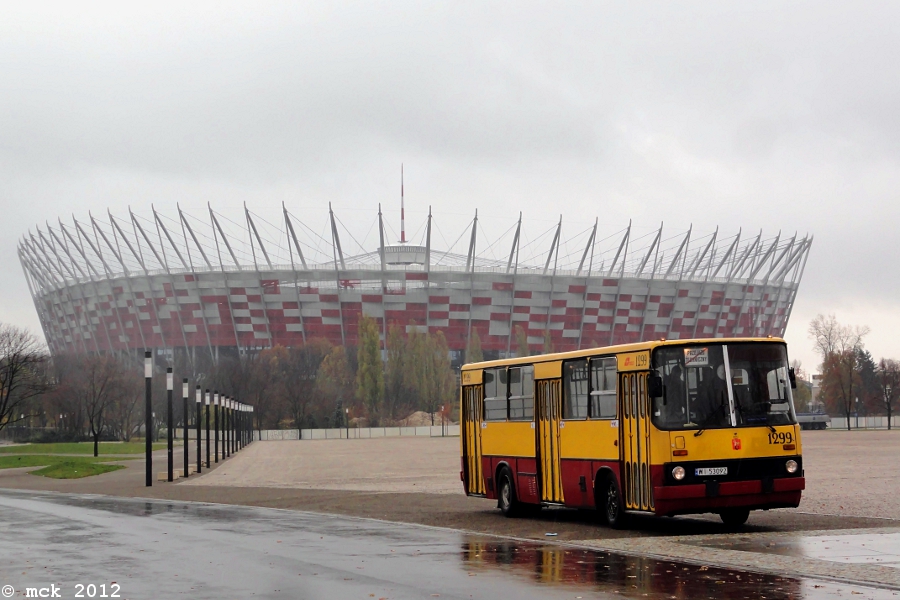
(591, 572)
(881, 549)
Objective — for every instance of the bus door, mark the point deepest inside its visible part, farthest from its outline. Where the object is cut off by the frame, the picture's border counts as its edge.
(548, 412)
(472, 412)
(634, 441)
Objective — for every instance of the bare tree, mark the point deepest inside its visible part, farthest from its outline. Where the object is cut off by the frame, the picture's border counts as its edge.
(298, 379)
(839, 346)
(23, 375)
(98, 386)
(125, 416)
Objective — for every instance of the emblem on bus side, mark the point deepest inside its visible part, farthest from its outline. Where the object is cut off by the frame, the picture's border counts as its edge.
(736, 443)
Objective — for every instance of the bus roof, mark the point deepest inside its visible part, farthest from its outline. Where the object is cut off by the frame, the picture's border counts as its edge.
(637, 347)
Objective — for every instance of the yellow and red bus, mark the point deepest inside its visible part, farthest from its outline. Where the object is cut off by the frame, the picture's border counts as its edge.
(664, 428)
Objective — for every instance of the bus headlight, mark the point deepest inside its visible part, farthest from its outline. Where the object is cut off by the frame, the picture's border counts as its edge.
(791, 466)
(678, 472)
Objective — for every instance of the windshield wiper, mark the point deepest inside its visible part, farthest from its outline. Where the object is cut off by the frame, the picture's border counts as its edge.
(699, 432)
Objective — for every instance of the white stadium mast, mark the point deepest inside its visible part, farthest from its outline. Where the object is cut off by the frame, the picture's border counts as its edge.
(402, 210)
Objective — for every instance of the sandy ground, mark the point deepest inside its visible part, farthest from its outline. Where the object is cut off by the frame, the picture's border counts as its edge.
(410, 464)
(852, 473)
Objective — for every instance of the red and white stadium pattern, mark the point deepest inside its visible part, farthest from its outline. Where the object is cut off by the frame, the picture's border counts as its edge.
(86, 304)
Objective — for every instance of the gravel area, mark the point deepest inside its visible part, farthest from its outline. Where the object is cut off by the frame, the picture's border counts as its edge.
(410, 464)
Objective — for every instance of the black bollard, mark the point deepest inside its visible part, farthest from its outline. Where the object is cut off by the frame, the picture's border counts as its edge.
(208, 399)
(217, 423)
(148, 415)
(184, 416)
(170, 385)
(197, 418)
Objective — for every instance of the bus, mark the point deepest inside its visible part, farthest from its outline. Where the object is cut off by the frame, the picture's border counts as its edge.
(662, 428)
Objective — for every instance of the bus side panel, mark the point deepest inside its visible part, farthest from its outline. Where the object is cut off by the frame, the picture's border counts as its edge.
(526, 480)
(581, 443)
(578, 484)
(595, 439)
(505, 442)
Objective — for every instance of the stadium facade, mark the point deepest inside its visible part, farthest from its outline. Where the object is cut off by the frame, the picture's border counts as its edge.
(212, 285)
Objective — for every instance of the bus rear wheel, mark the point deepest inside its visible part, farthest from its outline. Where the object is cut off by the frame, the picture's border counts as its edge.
(612, 507)
(734, 517)
(506, 495)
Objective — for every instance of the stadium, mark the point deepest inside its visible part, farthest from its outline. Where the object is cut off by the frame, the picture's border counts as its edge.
(216, 283)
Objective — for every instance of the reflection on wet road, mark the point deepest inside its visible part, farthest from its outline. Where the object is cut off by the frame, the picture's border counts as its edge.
(161, 549)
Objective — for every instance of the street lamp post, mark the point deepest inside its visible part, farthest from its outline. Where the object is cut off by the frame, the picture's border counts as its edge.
(887, 403)
(442, 420)
(208, 396)
(857, 412)
(226, 432)
(170, 385)
(184, 416)
(216, 409)
(197, 418)
(347, 421)
(148, 416)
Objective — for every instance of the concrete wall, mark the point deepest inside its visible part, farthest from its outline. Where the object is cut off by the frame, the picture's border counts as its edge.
(355, 433)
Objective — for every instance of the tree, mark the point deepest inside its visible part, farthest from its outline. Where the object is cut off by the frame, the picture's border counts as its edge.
(370, 370)
(839, 346)
(394, 371)
(262, 384)
(473, 348)
(97, 387)
(23, 376)
(441, 381)
(889, 378)
(548, 342)
(298, 379)
(803, 394)
(521, 342)
(124, 416)
(335, 381)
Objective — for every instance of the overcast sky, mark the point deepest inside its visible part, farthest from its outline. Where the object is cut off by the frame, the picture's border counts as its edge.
(770, 116)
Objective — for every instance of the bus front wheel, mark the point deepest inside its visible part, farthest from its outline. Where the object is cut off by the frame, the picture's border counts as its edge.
(734, 517)
(612, 507)
(506, 494)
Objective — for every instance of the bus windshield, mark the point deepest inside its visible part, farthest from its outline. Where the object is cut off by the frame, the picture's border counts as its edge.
(723, 385)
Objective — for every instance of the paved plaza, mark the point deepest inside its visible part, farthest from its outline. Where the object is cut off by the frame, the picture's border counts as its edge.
(847, 528)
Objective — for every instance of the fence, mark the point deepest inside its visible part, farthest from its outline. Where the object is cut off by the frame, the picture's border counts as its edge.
(270, 435)
(864, 423)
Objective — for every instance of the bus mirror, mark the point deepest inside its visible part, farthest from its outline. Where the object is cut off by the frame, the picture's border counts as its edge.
(793, 377)
(654, 385)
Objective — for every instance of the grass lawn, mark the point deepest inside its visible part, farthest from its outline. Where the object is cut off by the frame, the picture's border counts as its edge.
(81, 448)
(59, 467)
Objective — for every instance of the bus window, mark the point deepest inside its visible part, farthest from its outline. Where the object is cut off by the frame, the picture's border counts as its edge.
(495, 404)
(575, 382)
(762, 391)
(521, 393)
(603, 388)
(695, 390)
(696, 386)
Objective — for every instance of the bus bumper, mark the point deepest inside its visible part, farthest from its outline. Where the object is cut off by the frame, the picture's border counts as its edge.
(714, 496)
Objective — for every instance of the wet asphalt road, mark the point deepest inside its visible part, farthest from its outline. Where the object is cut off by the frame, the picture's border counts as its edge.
(166, 549)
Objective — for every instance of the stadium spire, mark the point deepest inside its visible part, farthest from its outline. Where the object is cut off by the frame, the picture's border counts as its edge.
(402, 211)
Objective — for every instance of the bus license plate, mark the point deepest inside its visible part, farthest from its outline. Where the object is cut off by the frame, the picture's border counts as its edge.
(711, 471)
